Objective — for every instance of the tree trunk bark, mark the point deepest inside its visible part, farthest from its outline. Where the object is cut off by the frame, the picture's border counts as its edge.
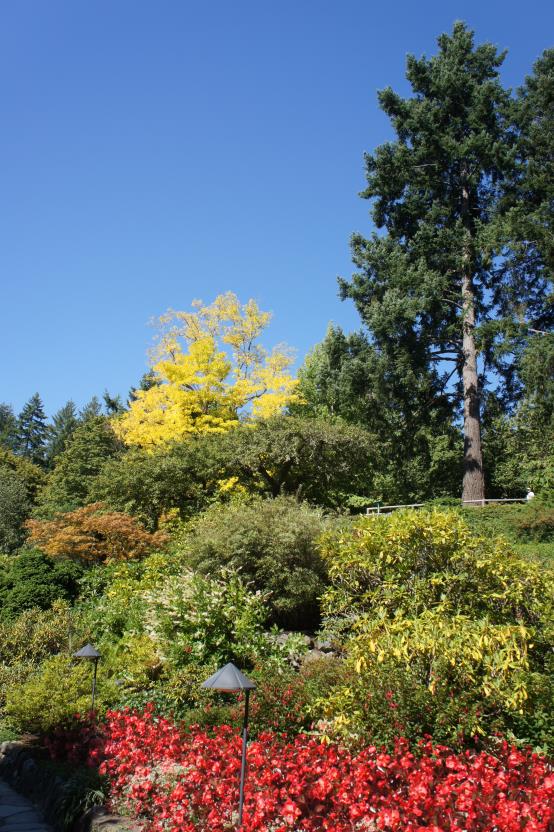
(474, 480)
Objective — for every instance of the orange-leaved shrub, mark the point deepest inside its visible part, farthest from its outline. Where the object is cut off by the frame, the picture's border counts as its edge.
(94, 534)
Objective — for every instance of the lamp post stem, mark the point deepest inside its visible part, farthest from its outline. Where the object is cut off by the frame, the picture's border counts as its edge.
(243, 761)
(94, 682)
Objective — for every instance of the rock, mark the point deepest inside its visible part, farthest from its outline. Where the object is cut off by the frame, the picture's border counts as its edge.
(99, 819)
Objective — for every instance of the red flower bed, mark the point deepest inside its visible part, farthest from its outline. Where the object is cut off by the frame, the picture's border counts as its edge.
(188, 781)
(79, 740)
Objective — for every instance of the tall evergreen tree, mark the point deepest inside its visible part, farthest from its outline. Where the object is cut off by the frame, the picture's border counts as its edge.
(92, 409)
(8, 427)
(32, 431)
(431, 289)
(63, 424)
(68, 486)
(113, 404)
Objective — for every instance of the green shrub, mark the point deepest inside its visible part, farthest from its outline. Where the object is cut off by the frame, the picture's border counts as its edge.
(59, 689)
(273, 544)
(208, 622)
(448, 633)
(35, 634)
(33, 580)
(537, 524)
(30, 638)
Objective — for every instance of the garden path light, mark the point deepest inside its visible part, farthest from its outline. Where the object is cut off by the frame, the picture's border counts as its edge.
(231, 680)
(91, 653)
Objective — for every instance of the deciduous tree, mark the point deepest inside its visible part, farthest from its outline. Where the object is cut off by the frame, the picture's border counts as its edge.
(14, 509)
(321, 461)
(93, 535)
(210, 368)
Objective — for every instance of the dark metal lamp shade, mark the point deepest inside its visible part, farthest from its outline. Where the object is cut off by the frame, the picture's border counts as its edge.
(229, 678)
(87, 652)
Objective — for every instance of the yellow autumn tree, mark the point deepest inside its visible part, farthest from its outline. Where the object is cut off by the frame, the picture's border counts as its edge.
(209, 368)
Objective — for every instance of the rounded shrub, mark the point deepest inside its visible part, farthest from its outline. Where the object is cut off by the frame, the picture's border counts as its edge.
(273, 544)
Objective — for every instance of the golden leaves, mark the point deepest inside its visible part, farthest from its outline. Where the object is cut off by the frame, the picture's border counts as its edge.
(93, 534)
(210, 369)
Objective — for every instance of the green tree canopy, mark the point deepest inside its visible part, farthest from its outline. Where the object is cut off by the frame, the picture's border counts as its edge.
(8, 427)
(14, 510)
(530, 230)
(416, 448)
(181, 477)
(322, 461)
(68, 487)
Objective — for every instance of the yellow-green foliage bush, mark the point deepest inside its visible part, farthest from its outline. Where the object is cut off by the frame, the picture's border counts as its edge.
(60, 688)
(28, 640)
(449, 633)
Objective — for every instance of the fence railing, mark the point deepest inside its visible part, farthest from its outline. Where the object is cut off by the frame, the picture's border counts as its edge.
(378, 508)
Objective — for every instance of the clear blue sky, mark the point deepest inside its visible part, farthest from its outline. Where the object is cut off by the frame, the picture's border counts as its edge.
(156, 152)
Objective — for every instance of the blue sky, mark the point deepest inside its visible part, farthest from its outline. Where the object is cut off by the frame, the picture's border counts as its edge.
(156, 152)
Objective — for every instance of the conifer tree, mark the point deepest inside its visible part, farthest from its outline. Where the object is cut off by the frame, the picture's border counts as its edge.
(92, 409)
(8, 427)
(532, 195)
(32, 431)
(113, 404)
(431, 289)
(64, 423)
(92, 444)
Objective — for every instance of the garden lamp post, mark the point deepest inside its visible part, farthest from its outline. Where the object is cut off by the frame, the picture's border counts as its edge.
(92, 655)
(231, 680)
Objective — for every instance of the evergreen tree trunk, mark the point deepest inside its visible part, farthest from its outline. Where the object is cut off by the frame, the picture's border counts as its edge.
(474, 480)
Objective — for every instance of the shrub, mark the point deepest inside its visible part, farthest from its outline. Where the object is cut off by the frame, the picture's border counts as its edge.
(54, 693)
(537, 524)
(35, 634)
(33, 580)
(273, 544)
(209, 621)
(449, 633)
(92, 534)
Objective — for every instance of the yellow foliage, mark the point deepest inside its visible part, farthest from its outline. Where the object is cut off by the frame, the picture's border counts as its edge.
(209, 368)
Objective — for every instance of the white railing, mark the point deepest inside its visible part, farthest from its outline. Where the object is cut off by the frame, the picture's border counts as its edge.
(378, 508)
